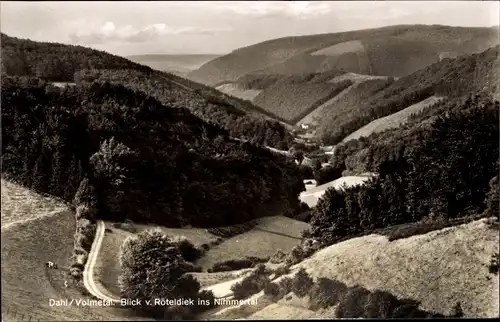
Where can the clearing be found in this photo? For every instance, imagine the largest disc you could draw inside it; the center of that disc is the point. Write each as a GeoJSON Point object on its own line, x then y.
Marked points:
{"type": "Point", "coordinates": [339, 49]}
{"type": "Point", "coordinates": [392, 121]}
{"type": "Point", "coordinates": [357, 79]}
{"type": "Point", "coordinates": [236, 91]}
{"type": "Point", "coordinates": [311, 196]}
{"type": "Point", "coordinates": [20, 204]}
{"type": "Point", "coordinates": [27, 285]}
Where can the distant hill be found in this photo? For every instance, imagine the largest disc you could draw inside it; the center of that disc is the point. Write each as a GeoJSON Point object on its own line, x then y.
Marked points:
{"type": "Point", "coordinates": [451, 77]}
{"type": "Point", "coordinates": [177, 64]}
{"type": "Point", "coordinates": [389, 51]}
{"type": "Point", "coordinates": [60, 63]}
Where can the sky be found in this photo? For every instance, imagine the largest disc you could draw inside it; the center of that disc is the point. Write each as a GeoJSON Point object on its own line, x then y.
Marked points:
{"type": "Point", "coordinates": [219, 27]}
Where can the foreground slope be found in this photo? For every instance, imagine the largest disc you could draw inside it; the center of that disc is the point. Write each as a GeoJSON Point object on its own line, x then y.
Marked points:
{"type": "Point", "coordinates": [27, 285]}
{"type": "Point", "coordinates": [436, 269]}
{"type": "Point", "coordinates": [389, 51]}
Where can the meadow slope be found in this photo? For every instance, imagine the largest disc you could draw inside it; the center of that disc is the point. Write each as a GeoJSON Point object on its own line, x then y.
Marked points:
{"type": "Point", "coordinates": [27, 285]}
{"type": "Point", "coordinates": [393, 120]}
{"type": "Point", "coordinates": [436, 269]}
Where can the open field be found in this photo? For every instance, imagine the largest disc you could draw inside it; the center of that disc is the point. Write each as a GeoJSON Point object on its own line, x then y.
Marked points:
{"type": "Point", "coordinates": [437, 269]}
{"type": "Point", "coordinates": [107, 267]}
{"type": "Point", "coordinates": [290, 101]}
{"type": "Point", "coordinates": [311, 196]}
{"type": "Point", "coordinates": [27, 285]}
{"type": "Point", "coordinates": [236, 91]}
{"type": "Point", "coordinates": [339, 49]}
{"type": "Point", "coordinates": [393, 120]}
{"type": "Point", "coordinates": [271, 234]}
{"type": "Point", "coordinates": [20, 204]}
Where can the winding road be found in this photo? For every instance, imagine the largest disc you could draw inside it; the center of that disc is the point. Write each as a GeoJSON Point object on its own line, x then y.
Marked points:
{"type": "Point", "coordinates": [221, 290]}
{"type": "Point", "coordinates": [88, 272]}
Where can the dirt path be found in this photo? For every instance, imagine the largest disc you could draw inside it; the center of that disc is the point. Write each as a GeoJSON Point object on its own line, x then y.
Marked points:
{"type": "Point", "coordinates": [88, 274]}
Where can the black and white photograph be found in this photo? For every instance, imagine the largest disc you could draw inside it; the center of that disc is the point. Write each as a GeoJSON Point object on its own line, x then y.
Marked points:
{"type": "Point", "coordinates": [249, 160]}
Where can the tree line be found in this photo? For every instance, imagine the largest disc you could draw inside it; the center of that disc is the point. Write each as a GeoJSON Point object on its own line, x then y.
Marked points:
{"type": "Point", "coordinates": [147, 162]}
{"type": "Point", "coordinates": [445, 167]}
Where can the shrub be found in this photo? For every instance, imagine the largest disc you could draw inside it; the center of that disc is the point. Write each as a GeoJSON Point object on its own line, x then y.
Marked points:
{"type": "Point", "coordinates": [236, 264]}
{"type": "Point", "coordinates": [380, 305]}
{"type": "Point", "coordinates": [273, 292]}
{"type": "Point", "coordinates": [285, 284]}
{"type": "Point", "coordinates": [493, 198]}
{"type": "Point", "coordinates": [295, 256]}
{"type": "Point", "coordinates": [205, 247]}
{"type": "Point", "coordinates": [281, 270]}
{"type": "Point", "coordinates": [252, 284]}
{"type": "Point", "coordinates": [493, 267]}
{"type": "Point", "coordinates": [205, 300]}
{"type": "Point", "coordinates": [327, 174]}
{"type": "Point", "coordinates": [325, 293]}
{"type": "Point", "coordinates": [188, 250]}
{"type": "Point", "coordinates": [278, 257]}
{"type": "Point", "coordinates": [302, 283]}
{"type": "Point", "coordinates": [352, 302]}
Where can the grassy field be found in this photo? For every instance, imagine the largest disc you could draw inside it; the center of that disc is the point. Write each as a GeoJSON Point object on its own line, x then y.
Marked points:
{"type": "Point", "coordinates": [27, 244]}
{"type": "Point", "coordinates": [437, 269]}
{"type": "Point", "coordinates": [311, 196]}
{"type": "Point", "coordinates": [271, 234]}
{"type": "Point", "coordinates": [236, 91]}
{"type": "Point", "coordinates": [393, 120]}
{"type": "Point", "coordinates": [339, 49]}
{"type": "Point", "coordinates": [20, 204]}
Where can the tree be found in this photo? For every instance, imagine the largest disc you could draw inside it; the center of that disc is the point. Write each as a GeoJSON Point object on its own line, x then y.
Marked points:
{"type": "Point", "coordinates": [152, 267]}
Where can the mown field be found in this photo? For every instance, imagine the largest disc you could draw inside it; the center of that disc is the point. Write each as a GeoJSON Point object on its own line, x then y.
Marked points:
{"type": "Point", "coordinates": [27, 285]}
{"type": "Point", "coordinates": [271, 234]}
{"type": "Point", "coordinates": [393, 120]}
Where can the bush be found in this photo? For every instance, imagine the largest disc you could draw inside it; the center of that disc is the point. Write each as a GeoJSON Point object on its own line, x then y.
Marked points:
{"type": "Point", "coordinates": [236, 264]}
{"type": "Point", "coordinates": [281, 270]}
{"type": "Point", "coordinates": [380, 305]}
{"type": "Point", "coordinates": [205, 300]}
{"type": "Point", "coordinates": [274, 292]}
{"type": "Point", "coordinates": [352, 302]}
{"type": "Point", "coordinates": [252, 284]}
{"type": "Point", "coordinates": [278, 257]}
{"type": "Point", "coordinates": [327, 174]}
{"type": "Point", "coordinates": [286, 284]}
{"type": "Point", "coordinates": [325, 293]}
{"type": "Point", "coordinates": [187, 248]}
{"type": "Point", "coordinates": [302, 283]}
{"type": "Point", "coordinates": [493, 267]}
{"type": "Point", "coordinates": [295, 256]}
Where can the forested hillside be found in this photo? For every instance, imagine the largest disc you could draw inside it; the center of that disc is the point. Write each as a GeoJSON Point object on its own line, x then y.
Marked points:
{"type": "Point", "coordinates": [56, 62]}
{"type": "Point", "coordinates": [439, 167]}
{"type": "Point", "coordinates": [167, 165]}
{"type": "Point", "coordinates": [211, 108]}
{"type": "Point", "coordinates": [388, 51]}
{"type": "Point", "coordinates": [450, 77]}
{"type": "Point", "coordinates": [67, 63]}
